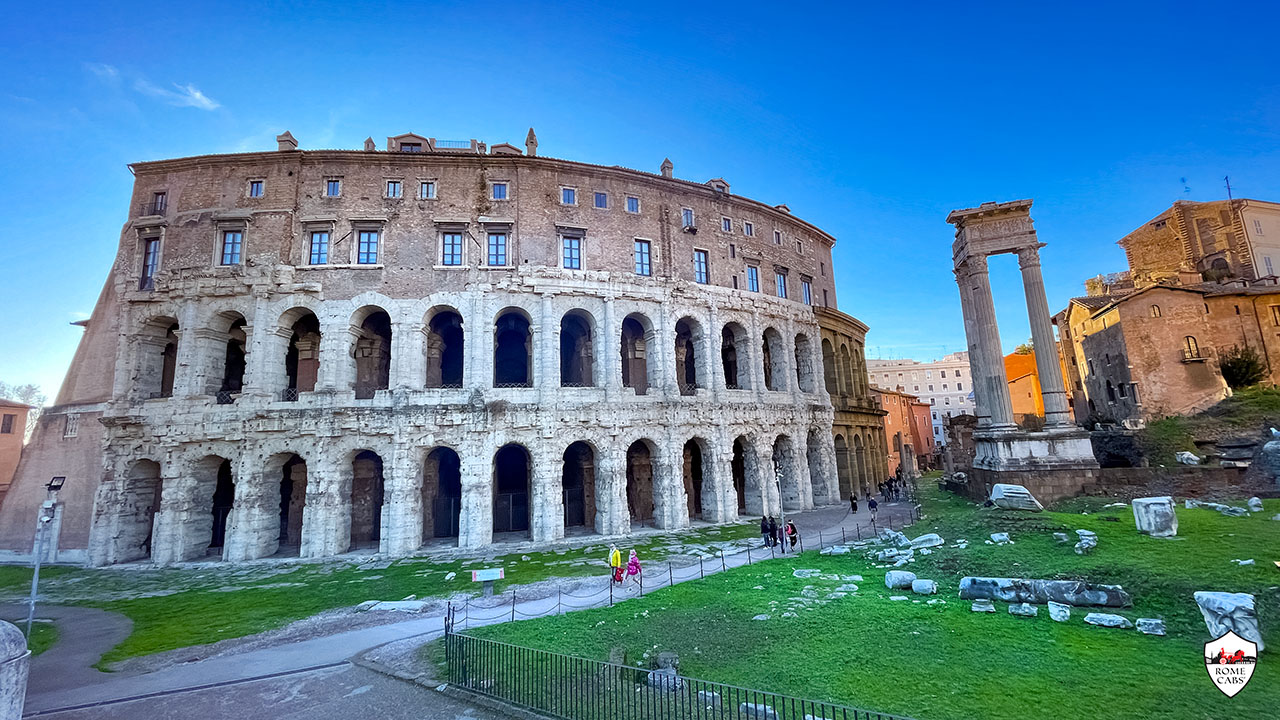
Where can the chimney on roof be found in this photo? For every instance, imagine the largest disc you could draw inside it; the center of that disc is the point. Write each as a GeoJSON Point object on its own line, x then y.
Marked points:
{"type": "Point", "coordinates": [370, 145]}
{"type": "Point", "coordinates": [286, 141]}
{"type": "Point", "coordinates": [667, 167]}
{"type": "Point", "coordinates": [783, 207]}
{"type": "Point", "coordinates": [531, 144]}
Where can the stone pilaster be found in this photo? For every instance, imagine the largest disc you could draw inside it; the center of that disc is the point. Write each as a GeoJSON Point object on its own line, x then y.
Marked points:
{"type": "Point", "coordinates": [408, 356]}
{"type": "Point", "coordinates": [401, 530]}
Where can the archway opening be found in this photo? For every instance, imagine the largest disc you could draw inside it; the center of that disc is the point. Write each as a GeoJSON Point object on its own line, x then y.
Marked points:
{"type": "Point", "coordinates": [302, 358]}
{"type": "Point", "coordinates": [441, 494]}
{"type": "Point", "coordinates": [843, 476]}
{"type": "Point", "coordinates": [444, 350]}
{"type": "Point", "coordinates": [512, 351]}
{"type": "Point", "coordinates": [367, 490]}
{"type": "Point", "coordinates": [511, 489]}
{"type": "Point", "coordinates": [860, 460]}
{"type": "Point", "coordinates": [640, 482]}
{"type": "Point", "coordinates": [785, 475]}
{"type": "Point", "coordinates": [169, 362]}
{"type": "Point", "coordinates": [579, 486]}
{"type": "Point", "coordinates": [829, 368]}
{"type": "Point", "coordinates": [692, 471]}
{"type": "Point", "coordinates": [373, 354]}
{"type": "Point", "coordinates": [804, 363]}
{"type": "Point", "coordinates": [293, 501]}
{"type": "Point", "coordinates": [774, 365]}
{"type": "Point", "coordinates": [139, 502]}
{"type": "Point", "coordinates": [224, 495]}
{"type": "Point", "coordinates": [576, 356]}
{"type": "Point", "coordinates": [817, 476]}
{"type": "Point", "coordinates": [635, 368]}
{"type": "Point", "coordinates": [686, 357]}
{"type": "Point", "coordinates": [233, 360]}
{"type": "Point", "coordinates": [738, 466]}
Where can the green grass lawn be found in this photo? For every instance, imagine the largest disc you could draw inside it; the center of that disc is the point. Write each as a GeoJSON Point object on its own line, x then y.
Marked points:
{"type": "Point", "coordinates": [180, 607]}
{"type": "Point", "coordinates": [944, 661]}
{"type": "Point", "coordinates": [1248, 411]}
{"type": "Point", "coordinates": [43, 636]}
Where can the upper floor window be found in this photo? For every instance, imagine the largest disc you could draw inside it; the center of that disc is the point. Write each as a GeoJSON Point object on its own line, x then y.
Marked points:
{"type": "Point", "coordinates": [686, 217]}
{"type": "Point", "coordinates": [499, 191]}
{"type": "Point", "coordinates": [568, 196]}
{"type": "Point", "coordinates": [943, 373]}
{"type": "Point", "coordinates": [572, 251]}
{"type": "Point", "coordinates": [333, 187]}
{"type": "Point", "coordinates": [781, 282]}
{"type": "Point", "coordinates": [427, 190]}
{"type": "Point", "coordinates": [497, 249]}
{"type": "Point", "coordinates": [633, 204]}
{"type": "Point", "coordinates": [367, 247]}
{"type": "Point", "coordinates": [451, 249]}
{"type": "Point", "coordinates": [799, 248]}
{"type": "Point", "coordinates": [71, 425]}
{"type": "Point", "coordinates": [1190, 348]}
{"type": "Point", "coordinates": [777, 237]}
{"type": "Point", "coordinates": [959, 386]}
{"type": "Point", "coordinates": [1257, 227]}
{"type": "Point", "coordinates": [319, 247]}
{"type": "Point", "coordinates": [701, 268]}
{"type": "Point", "coordinates": [1155, 311]}
{"type": "Point", "coordinates": [726, 224]}
{"type": "Point", "coordinates": [601, 200]}
{"type": "Point", "coordinates": [255, 188]}
{"type": "Point", "coordinates": [159, 203]}
{"type": "Point", "coordinates": [231, 243]}
{"type": "Point", "coordinates": [1275, 315]}
{"type": "Point", "coordinates": [394, 189]}
{"type": "Point", "coordinates": [753, 278]}
{"type": "Point", "coordinates": [643, 266]}
{"type": "Point", "coordinates": [150, 263]}
{"type": "Point", "coordinates": [807, 289]}
{"type": "Point", "coordinates": [6, 424]}
{"type": "Point", "coordinates": [411, 147]}
{"type": "Point", "coordinates": [749, 229]}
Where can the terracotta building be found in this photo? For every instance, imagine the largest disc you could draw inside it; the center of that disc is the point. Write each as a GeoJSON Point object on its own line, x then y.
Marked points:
{"type": "Point", "coordinates": [922, 439]}
{"type": "Point", "coordinates": [899, 436]}
{"type": "Point", "coordinates": [13, 428]}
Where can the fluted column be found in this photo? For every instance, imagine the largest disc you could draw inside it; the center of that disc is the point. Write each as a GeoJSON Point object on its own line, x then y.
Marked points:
{"type": "Point", "coordinates": [1052, 389]}
{"type": "Point", "coordinates": [980, 410]}
{"type": "Point", "coordinates": [990, 378]}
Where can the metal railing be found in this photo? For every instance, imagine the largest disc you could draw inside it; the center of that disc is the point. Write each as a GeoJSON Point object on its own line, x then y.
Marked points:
{"type": "Point", "coordinates": [153, 207]}
{"type": "Point", "coordinates": [575, 688]}
{"type": "Point", "coordinates": [688, 389]}
{"type": "Point", "coordinates": [225, 397]}
{"type": "Point", "coordinates": [289, 395]}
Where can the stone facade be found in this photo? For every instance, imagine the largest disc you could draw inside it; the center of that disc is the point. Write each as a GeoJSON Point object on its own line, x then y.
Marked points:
{"type": "Point", "coordinates": [858, 423]}
{"type": "Point", "coordinates": [899, 433]}
{"type": "Point", "coordinates": [1205, 241]}
{"type": "Point", "coordinates": [13, 428]}
{"type": "Point", "coordinates": [314, 352]}
{"type": "Point", "coordinates": [946, 384]}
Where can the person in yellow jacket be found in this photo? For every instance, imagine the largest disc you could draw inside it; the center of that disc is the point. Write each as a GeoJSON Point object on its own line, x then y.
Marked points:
{"type": "Point", "coordinates": [615, 563]}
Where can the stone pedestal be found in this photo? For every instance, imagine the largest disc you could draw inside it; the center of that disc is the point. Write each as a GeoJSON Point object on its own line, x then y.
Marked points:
{"type": "Point", "coordinates": [14, 661]}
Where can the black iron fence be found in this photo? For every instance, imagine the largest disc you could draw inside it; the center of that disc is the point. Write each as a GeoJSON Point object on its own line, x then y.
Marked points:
{"type": "Point", "coordinates": [574, 688]}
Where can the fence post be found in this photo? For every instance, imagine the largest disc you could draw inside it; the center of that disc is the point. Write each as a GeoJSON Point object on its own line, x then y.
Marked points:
{"type": "Point", "coordinates": [843, 539]}
{"type": "Point", "coordinates": [513, 606]}
{"type": "Point", "coordinates": [611, 592]}
{"type": "Point", "coordinates": [671, 575]}
{"type": "Point", "coordinates": [858, 529]}
{"type": "Point", "coordinates": [702, 572]}
{"type": "Point", "coordinates": [725, 566]}
{"type": "Point", "coordinates": [558, 594]}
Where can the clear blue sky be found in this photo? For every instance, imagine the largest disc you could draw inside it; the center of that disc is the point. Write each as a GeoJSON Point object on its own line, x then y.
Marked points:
{"type": "Point", "coordinates": [872, 122]}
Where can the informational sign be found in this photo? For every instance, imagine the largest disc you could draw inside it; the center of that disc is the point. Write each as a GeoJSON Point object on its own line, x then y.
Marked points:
{"type": "Point", "coordinates": [487, 575]}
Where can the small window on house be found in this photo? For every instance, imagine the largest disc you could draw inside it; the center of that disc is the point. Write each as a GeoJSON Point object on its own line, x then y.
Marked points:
{"type": "Point", "coordinates": [1091, 370]}
{"type": "Point", "coordinates": [1155, 311]}
{"type": "Point", "coordinates": [393, 189]}
{"type": "Point", "coordinates": [780, 281]}
{"type": "Point", "coordinates": [367, 247]}
{"type": "Point", "coordinates": [319, 248]}
{"type": "Point", "coordinates": [70, 425]}
{"type": "Point", "coordinates": [642, 257]}
{"type": "Point", "coordinates": [232, 240]}
{"type": "Point", "coordinates": [1275, 315]}
{"type": "Point", "coordinates": [1257, 227]}
{"type": "Point", "coordinates": [799, 248]}
{"type": "Point", "coordinates": [944, 386]}
{"type": "Point", "coordinates": [1206, 308]}
{"type": "Point", "coordinates": [943, 373]}
{"type": "Point", "coordinates": [824, 298]}
{"type": "Point", "coordinates": [633, 204]}
{"type": "Point", "coordinates": [701, 268]}
{"type": "Point", "coordinates": [1237, 309]}
{"type": "Point", "coordinates": [151, 263]}
{"type": "Point", "coordinates": [427, 190]}
{"type": "Point", "coordinates": [753, 278]}
{"type": "Point", "coordinates": [572, 251]}
{"type": "Point", "coordinates": [497, 249]}
{"type": "Point", "coordinates": [1190, 348]}
{"type": "Point", "coordinates": [735, 282]}
{"type": "Point", "coordinates": [726, 224]}
{"type": "Point", "coordinates": [1270, 270]}
{"type": "Point", "coordinates": [499, 191]}
{"type": "Point", "coordinates": [411, 147]}
{"type": "Point", "coordinates": [601, 200]}
{"type": "Point", "coordinates": [959, 386]}
{"type": "Point", "coordinates": [6, 424]}
{"type": "Point", "coordinates": [159, 203]}
{"type": "Point", "coordinates": [451, 249]}
{"type": "Point", "coordinates": [1123, 392]}
{"type": "Point", "coordinates": [568, 196]}
{"type": "Point", "coordinates": [748, 229]}
{"type": "Point", "coordinates": [733, 251]}
{"type": "Point", "coordinates": [777, 237]}
{"type": "Point", "coordinates": [946, 401]}
{"type": "Point", "coordinates": [686, 216]}
{"type": "Point", "coordinates": [255, 188]}
{"type": "Point", "coordinates": [806, 289]}
{"type": "Point", "coordinates": [333, 187]}
{"type": "Point", "coordinates": [822, 269]}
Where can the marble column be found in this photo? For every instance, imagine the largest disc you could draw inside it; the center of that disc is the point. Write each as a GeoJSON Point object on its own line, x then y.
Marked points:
{"type": "Point", "coordinates": [980, 410]}
{"type": "Point", "coordinates": [1052, 389]}
{"type": "Point", "coordinates": [989, 378]}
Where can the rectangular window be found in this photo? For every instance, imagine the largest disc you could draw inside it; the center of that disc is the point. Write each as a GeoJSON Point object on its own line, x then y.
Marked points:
{"type": "Point", "coordinates": [255, 188]}
{"type": "Point", "coordinates": [822, 269]}
{"type": "Point", "coordinates": [733, 250]}
{"type": "Point", "coordinates": [393, 189]}
{"type": "Point", "coordinates": [451, 249]}
{"type": "Point", "coordinates": [807, 290]}
{"type": "Point", "coordinates": [944, 386]}
{"type": "Point", "coordinates": [753, 278]}
{"type": "Point", "coordinates": [777, 237]}
{"type": "Point", "coordinates": [319, 248]}
{"type": "Point", "coordinates": [686, 216]}
{"type": "Point", "coordinates": [333, 187]}
{"type": "Point", "coordinates": [959, 386]}
{"type": "Point", "coordinates": [944, 373]}
{"type": "Point", "coordinates": [824, 298]}
{"type": "Point", "coordinates": [799, 248]}
{"type": "Point", "coordinates": [151, 263]}
{"type": "Point", "coordinates": [633, 204]}
{"type": "Point", "coordinates": [367, 252]}
{"type": "Point", "coordinates": [701, 268]}
{"type": "Point", "coordinates": [410, 147]}
{"type": "Point", "coordinates": [499, 191]}
{"type": "Point", "coordinates": [572, 252]}
{"type": "Point", "coordinates": [159, 203]}
{"type": "Point", "coordinates": [231, 242]}
{"type": "Point", "coordinates": [930, 388]}
{"type": "Point", "coordinates": [642, 258]}
{"type": "Point", "coordinates": [726, 224]}
{"type": "Point", "coordinates": [427, 190]}
{"type": "Point", "coordinates": [1267, 259]}
{"type": "Point", "coordinates": [601, 200]}
{"type": "Point", "coordinates": [71, 425]}
{"type": "Point", "coordinates": [735, 282]}
{"type": "Point", "coordinates": [1257, 227]}
{"type": "Point", "coordinates": [749, 229]}
{"type": "Point", "coordinates": [497, 249]}
{"type": "Point", "coordinates": [781, 281]}
{"type": "Point", "coordinates": [1275, 315]}
{"type": "Point", "coordinates": [568, 196]}
{"type": "Point", "coordinates": [6, 424]}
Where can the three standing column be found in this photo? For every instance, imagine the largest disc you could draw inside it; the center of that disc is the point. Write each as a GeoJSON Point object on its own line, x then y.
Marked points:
{"type": "Point", "coordinates": [1052, 389]}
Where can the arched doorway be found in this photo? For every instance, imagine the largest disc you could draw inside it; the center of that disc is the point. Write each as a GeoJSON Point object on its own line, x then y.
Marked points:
{"type": "Point", "coordinates": [692, 472]}
{"type": "Point", "coordinates": [843, 476]}
{"type": "Point", "coordinates": [577, 361]}
{"type": "Point", "coordinates": [784, 473]}
{"type": "Point", "coordinates": [686, 355]}
{"type": "Point", "coordinates": [441, 494]}
{"type": "Point", "coordinates": [511, 489]}
{"type": "Point", "coordinates": [512, 350]}
{"type": "Point", "coordinates": [579, 486]}
{"type": "Point", "coordinates": [444, 350]}
{"type": "Point", "coordinates": [636, 332]}
{"type": "Point", "coordinates": [224, 495]}
{"type": "Point", "coordinates": [302, 358]}
{"type": "Point", "coordinates": [293, 501]}
{"type": "Point", "coordinates": [139, 502]}
{"type": "Point", "coordinates": [372, 351]}
{"type": "Point", "coordinates": [771, 348]}
{"type": "Point", "coordinates": [368, 489]}
{"type": "Point", "coordinates": [640, 482]}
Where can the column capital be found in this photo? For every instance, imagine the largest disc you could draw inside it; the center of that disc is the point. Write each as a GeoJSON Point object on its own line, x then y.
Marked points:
{"type": "Point", "coordinates": [1029, 256]}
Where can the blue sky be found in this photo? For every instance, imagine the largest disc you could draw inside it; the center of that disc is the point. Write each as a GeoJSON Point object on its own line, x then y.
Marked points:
{"type": "Point", "coordinates": [870, 120]}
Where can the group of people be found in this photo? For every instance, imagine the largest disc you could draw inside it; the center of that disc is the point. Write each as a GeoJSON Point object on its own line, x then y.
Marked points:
{"type": "Point", "coordinates": [776, 535]}
{"type": "Point", "coordinates": [872, 505]}
{"type": "Point", "coordinates": [893, 489]}
{"type": "Point", "coordinates": [620, 573]}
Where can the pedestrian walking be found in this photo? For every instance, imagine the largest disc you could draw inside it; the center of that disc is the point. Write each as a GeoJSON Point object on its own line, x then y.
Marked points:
{"type": "Point", "coordinates": [872, 505]}
{"type": "Point", "coordinates": [773, 531]}
{"type": "Point", "coordinates": [765, 533]}
{"type": "Point", "coordinates": [633, 567]}
{"type": "Point", "coordinates": [780, 538]}
{"type": "Point", "coordinates": [853, 503]}
{"type": "Point", "coordinates": [793, 534]}
{"type": "Point", "coordinates": [615, 564]}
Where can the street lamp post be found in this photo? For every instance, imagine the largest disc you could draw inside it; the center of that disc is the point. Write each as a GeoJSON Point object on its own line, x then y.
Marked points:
{"type": "Point", "coordinates": [47, 511]}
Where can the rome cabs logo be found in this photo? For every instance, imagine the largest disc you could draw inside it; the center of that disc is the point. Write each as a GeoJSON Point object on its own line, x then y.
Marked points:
{"type": "Point", "coordinates": [1230, 661]}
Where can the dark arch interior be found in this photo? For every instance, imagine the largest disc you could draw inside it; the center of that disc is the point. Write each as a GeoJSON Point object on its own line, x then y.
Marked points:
{"type": "Point", "coordinates": [444, 350]}
{"type": "Point", "coordinates": [511, 351]}
{"type": "Point", "coordinates": [640, 482]}
{"type": "Point", "coordinates": [373, 355]}
{"type": "Point", "coordinates": [366, 499]}
{"type": "Point", "coordinates": [578, 482]}
{"type": "Point", "coordinates": [442, 494]}
{"type": "Point", "coordinates": [575, 352]}
{"type": "Point", "coordinates": [511, 489]}
{"type": "Point", "coordinates": [302, 360]}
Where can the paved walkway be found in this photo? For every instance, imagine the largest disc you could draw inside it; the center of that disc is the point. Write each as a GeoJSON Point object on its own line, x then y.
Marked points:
{"type": "Point", "coordinates": [831, 524]}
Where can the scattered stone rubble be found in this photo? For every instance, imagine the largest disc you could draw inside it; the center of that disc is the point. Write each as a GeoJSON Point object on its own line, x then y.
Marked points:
{"type": "Point", "coordinates": [1227, 510]}
{"type": "Point", "coordinates": [1232, 612]}
{"type": "Point", "coordinates": [1070, 592]}
{"type": "Point", "coordinates": [1155, 516]}
{"type": "Point", "coordinates": [1088, 541]}
{"type": "Point", "coordinates": [1014, 497]}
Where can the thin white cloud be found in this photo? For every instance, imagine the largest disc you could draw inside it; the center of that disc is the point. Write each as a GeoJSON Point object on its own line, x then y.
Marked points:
{"type": "Point", "coordinates": [182, 96]}
{"type": "Point", "coordinates": [104, 72]}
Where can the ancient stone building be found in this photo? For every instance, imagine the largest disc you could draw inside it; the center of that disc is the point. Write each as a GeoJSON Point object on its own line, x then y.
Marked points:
{"type": "Point", "coordinates": [858, 424]}
{"type": "Point", "coordinates": [441, 343]}
{"type": "Point", "coordinates": [1194, 242]}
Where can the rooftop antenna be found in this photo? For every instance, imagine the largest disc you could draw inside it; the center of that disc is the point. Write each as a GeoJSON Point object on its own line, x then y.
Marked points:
{"type": "Point", "coordinates": [1228, 179]}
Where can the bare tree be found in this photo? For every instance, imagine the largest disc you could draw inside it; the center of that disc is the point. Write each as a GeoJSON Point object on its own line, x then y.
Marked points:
{"type": "Point", "coordinates": [30, 395]}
